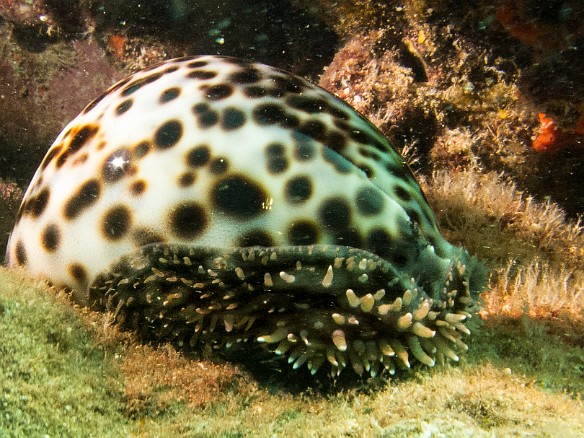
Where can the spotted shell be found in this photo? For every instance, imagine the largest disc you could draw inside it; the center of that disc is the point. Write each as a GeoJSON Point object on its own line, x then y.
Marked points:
{"type": "Point", "coordinates": [212, 200]}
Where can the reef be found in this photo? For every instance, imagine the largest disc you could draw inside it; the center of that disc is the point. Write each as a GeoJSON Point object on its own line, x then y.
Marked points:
{"type": "Point", "coordinates": [484, 102]}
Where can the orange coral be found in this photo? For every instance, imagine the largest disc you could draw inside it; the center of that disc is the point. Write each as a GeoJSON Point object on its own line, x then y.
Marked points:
{"type": "Point", "coordinates": [116, 44]}
{"type": "Point", "coordinates": [550, 138]}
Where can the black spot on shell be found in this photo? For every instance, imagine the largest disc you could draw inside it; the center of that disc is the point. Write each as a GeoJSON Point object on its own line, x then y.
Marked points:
{"type": "Point", "coordinates": [255, 91]}
{"type": "Point", "coordinates": [197, 64]}
{"type": "Point", "coordinates": [50, 155]}
{"type": "Point", "coordinates": [314, 129]}
{"type": "Point", "coordinates": [287, 84]}
{"type": "Point", "coordinates": [201, 108]}
{"type": "Point", "coordinates": [239, 196]}
{"type": "Point", "coordinates": [304, 147]}
{"type": "Point", "coordinates": [361, 136]}
{"type": "Point", "coordinates": [219, 165]}
{"type": "Point", "coordinates": [232, 118]}
{"type": "Point", "coordinates": [307, 104]}
{"type": "Point", "coordinates": [369, 201]}
{"type": "Point", "coordinates": [398, 170]}
{"type": "Point", "coordinates": [187, 179]}
{"type": "Point", "coordinates": [81, 138]}
{"type": "Point", "coordinates": [116, 165]}
{"type": "Point", "coordinates": [37, 204]}
{"type": "Point", "coordinates": [134, 86]}
{"type": "Point", "coordinates": [276, 160]}
{"type": "Point", "coordinates": [402, 193]}
{"type": "Point", "coordinates": [168, 134]}
{"type": "Point", "coordinates": [348, 237]}
{"type": "Point", "coordinates": [138, 187]}
{"type": "Point", "coordinates": [170, 70]}
{"type": "Point", "coordinates": [217, 92]}
{"type": "Point", "coordinates": [198, 156]}
{"type": "Point", "coordinates": [268, 114]}
{"type": "Point", "coordinates": [187, 221]}
{"type": "Point", "coordinates": [84, 198]}
{"type": "Point", "coordinates": [338, 113]}
{"type": "Point", "coordinates": [124, 106]}
{"type": "Point", "coordinates": [335, 140]}
{"type": "Point", "coordinates": [335, 213]}
{"type": "Point", "coordinates": [206, 117]}
{"type": "Point", "coordinates": [246, 76]}
{"type": "Point", "coordinates": [79, 273]}
{"type": "Point", "coordinates": [51, 237]}
{"type": "Point", "coordinates": [142, 149]}
{"type": "Point", "coordinates": [256, 238]}
{"type": "Point", "coordinates": [116, 222]}
{"type": "Point", "coordinates": [298, 189]}
{"type": "Point", "coordinates": [62, 159]}
{"type": "Point", "coordinates": [201, 74]}
{"type": "Point", "coordinates": [303, 233]}
{"type": "Point", "coordinates": [290, 121]}
{"type": "Point", "coordinates": [20, 253]}
{"type": "Point", "coordinates": [170, 94]}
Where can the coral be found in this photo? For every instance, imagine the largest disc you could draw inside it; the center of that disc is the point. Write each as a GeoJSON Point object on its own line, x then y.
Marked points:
{"type": "Point", "coordinates": [550, 138]}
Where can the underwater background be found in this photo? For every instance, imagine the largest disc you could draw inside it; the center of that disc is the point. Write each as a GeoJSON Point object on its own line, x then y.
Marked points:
{"type": "Point", "coordinates": [483, 99]}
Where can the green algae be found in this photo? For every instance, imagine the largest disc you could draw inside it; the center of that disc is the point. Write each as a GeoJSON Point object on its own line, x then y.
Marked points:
{"type": "Point", "coordinates": [53, 379]}
{"type": "Point", "coordinates": [63, 373]}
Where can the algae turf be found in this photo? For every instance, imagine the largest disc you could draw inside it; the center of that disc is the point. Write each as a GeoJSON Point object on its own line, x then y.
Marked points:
{"type": "Point", "coordinates": [65, 372]}
{"type": "Point", "coordinates": [53, 379]}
